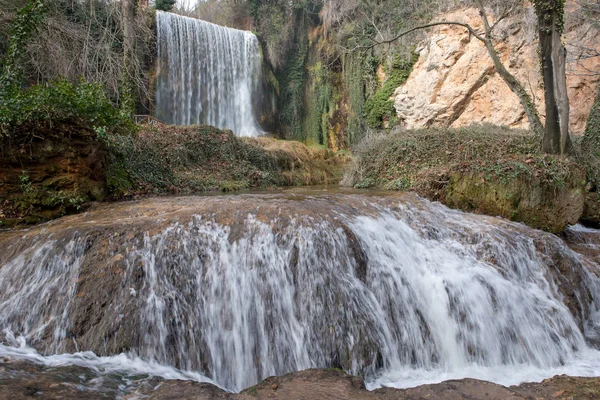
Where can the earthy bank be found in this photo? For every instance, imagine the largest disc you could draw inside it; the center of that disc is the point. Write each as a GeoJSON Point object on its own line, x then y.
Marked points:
{"type": "Point", "coordinates": [482, 168]}
{"type": "Point", "coordinates": [65, 168]}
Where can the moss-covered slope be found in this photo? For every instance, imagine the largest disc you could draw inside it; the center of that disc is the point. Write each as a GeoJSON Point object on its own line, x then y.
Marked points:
{"type": "Point", "coordinates": [60, 171]}
{"type": "Point", "coordinates": [485, 169]}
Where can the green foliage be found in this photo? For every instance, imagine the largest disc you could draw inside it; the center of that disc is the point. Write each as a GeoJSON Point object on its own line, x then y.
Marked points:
{"type": "Point", "coordinates": [165, 5]}
{"type": "Point", "coordinates": [133, 163]}
{"type": "Point", "coordinates": [65, 201]}
{"type": "Point", "coordinates": [547, 10]}
{"type": "Point", "coordinates": [199, 158]}
{"type": "Point", "coordinates": [292, 80]}
{"type": "Point", "coordinates": [24, 182]}
{"type": "Point", "coordinates": [24, 110]}
{"type": "Point", "coordinates": [127, 99]}
{"type": "Point", "coordinates": [590, 145]}
{"type": "Point", "coordinates": [380, 108]}
{"type": "Point", "coordinates": [591, 139]}
{"type": "Point", "coordinates": [319, 104]}
{"type": "Point", "coordinates": [79, 39]}
{"type": "Point", "coordinates": [24, 29]}
{"type": "Point", "coordinates": [392, 160]}
{"type": "Point", "coordinates": [282, 27]}
{"type": "Point", "coordinates": [492, 169]}
{"type": "Point", "coordinates": [354, 77]}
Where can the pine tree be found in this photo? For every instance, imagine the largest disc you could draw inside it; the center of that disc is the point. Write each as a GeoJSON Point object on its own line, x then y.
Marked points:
{"type": "Point", "coordinates": [165, 5]}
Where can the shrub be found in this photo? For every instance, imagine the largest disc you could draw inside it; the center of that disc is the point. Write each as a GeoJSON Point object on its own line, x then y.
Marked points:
{"type": "Point", "coordinates": [397, 159]}
{"type": "Point", "coordinates": [24, 111]}
{"type": "Point", "coordinates": [589, 155]}
{"type": "Point", "coordinates": [165, 5]}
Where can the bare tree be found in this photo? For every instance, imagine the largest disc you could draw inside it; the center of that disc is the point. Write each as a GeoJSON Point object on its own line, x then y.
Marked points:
{"type": "Point", "coordinates": [86, 40]}
{"type": "Point", "coordinates": [128, 16]}
{"type": "Point", "coordinates": [587, 14]}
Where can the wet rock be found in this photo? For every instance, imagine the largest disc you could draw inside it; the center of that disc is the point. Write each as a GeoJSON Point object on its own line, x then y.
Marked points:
{"type": "Point", "coordinates": [22, 381]}
{"type": "Point", "coordinates": [309, 267]}
{"type": "Point", "coordinates": [542, 206]}
{"type": "Point", "coordinates": [51, 177]}
{"type": "Point", "coordinates": [591, 209]}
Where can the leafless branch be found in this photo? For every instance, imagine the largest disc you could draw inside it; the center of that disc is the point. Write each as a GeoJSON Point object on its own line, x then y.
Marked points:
{"type": "Point", "coordinates": [417, 28]}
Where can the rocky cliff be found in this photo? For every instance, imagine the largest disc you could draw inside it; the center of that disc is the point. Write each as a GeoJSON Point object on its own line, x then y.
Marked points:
{"type": "Point", "coordinates": [454, 82]}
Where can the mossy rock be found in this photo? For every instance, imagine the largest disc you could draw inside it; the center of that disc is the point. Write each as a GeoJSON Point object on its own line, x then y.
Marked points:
{"type": "Point", "coordinates": [482, 168]}
{"type": "Point", "coordinates": [59, 182]}
{"type": "Point", "coordinates": [591, 210]}
{"type": "Point", "coordinates": [540, 206]}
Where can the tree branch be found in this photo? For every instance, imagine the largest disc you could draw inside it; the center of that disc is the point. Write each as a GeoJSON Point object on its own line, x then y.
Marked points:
{"type": "Point", "coordinates": [486, 38]}
{"type": "Point", "coordinates": [503, 16]}
{"type": "Point", "coordinates": [416, 28]}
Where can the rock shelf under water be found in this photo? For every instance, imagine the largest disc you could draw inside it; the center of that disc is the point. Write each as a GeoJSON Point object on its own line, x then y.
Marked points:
{"type": "Point", "coordinates": [234, 289]}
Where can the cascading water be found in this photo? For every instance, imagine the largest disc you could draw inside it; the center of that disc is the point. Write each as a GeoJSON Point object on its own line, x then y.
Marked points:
{"type": "Point", "coordinates": [207, 74]}
{"type": "Point", "coordinates": [241, 288]}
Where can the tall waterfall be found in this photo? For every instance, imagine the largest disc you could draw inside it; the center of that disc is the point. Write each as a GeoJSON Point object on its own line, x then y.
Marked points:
{"type": "Point", "coordinates": [207, 74]}
{"type": "Point", "coordinates": [239, 288]}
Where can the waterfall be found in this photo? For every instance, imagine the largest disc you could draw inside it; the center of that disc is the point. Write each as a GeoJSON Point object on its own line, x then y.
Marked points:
{"type": "Point", "coordinates": [207, 74]}
{"type": "Point", "coordinates": [239, 288]}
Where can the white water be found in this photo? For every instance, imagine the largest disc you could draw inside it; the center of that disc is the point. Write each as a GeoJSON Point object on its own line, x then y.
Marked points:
{"type": "Point", "coordinates": [207, 74]}
{"type": "Point", "coordinates": [126, 364]}
{"type": "Point", "coordinates": [444, 295]}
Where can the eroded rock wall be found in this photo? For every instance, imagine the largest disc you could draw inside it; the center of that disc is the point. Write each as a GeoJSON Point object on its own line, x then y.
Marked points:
{"type": "Point", "coordinates": [454, 82]}
{"type": "Point", "coordinates": [56, 172]}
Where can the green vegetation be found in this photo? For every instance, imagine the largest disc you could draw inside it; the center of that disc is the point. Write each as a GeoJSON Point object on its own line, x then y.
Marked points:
{"type": "Point", "coordinates": [320, 108]}
{"type": "Point", "coordinates": [202, 158]}
{"type": "Point", "coordinates": [27, 112]}
{"type": "Point", "coordinates": [483, 168]}
{"type": "Point", "coordinates": [320, 87]}
{"type": "Point", "coordinates": [24, 28]}
{"type": "Point", "coordinates": [328, 89]}
{"type": "Point", "coordinates": [590, 145]}
{"type": "Point", "coordinates": [54, 131]}
{"type": "Point", "coordinates": [74, 40]}
{"type": "Point", "coordinates": [589, 156]}
{"type": "Point", "coordinates": [380, 108]}
{"type": "Point", "coordinates": [165, 5]}
{"type": "Point", "coordinates": [291, 106]}
{"type": "Point", "coordinates": [69, 168]}
{"type": "Point", "coordinates": [491, 151]}
{"type": "Point", "coordinates": [547, 8]}
{"type": "Point", "coordinates": [353, 77]}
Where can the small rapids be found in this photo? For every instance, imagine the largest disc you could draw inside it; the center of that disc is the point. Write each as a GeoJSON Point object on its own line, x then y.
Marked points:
{"type": "Point", "coordinates": [233, 289]}
{"type": "Point", "coordinates": [124, 364]}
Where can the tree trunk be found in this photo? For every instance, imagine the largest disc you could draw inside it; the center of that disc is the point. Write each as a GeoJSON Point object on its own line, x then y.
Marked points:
{"type": "Point", "coordinates": [553, 57]}
{"type": "Point", "coordinates": [127, 89]}
{"type": "Point", "coordinates": [535, 124]}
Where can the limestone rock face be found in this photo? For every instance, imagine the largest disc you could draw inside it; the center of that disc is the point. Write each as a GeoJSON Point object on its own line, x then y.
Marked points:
{"type": "Point", "coordinates": [454, 82]}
